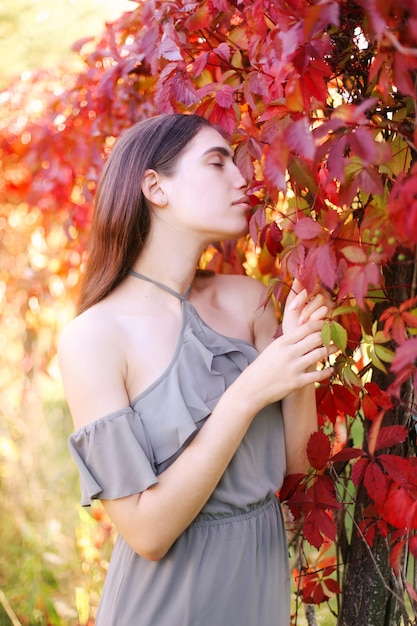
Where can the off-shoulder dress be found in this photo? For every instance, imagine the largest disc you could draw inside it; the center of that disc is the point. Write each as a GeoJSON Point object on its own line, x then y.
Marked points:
{"type": "Point", "coordinates": [230, 566]}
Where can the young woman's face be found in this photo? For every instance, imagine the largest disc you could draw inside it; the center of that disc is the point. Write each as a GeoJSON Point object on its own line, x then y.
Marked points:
{"type": "Point", "coordinates": [206, 194]}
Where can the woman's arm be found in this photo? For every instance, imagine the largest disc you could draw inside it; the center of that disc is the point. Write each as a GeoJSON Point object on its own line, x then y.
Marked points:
{"type": "Point", "coordinates": [285, 366]}
{"type": "Point", "coordinates": [299, 407]}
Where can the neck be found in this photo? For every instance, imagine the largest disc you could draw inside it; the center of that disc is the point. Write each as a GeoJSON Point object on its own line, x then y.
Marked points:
{"type": "Point", "coordinates": [173, 265]}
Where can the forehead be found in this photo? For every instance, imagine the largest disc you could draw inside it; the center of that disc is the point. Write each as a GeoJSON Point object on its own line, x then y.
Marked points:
{"type": "Point", "coordinates": [206, 140]}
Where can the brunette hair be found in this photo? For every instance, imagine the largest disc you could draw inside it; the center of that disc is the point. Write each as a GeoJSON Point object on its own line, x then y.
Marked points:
{"type": "Point", "coordinates": [121, 219]}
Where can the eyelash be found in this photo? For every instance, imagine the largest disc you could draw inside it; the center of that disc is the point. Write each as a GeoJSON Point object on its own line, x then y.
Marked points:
{"type": "Point", "coordinates": [218, 164]}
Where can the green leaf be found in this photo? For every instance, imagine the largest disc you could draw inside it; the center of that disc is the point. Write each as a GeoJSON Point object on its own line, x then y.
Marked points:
{"type": "Point", "coordinates": [384, 353]}
{"type": "Point", "coordinates": [344, 310]}
{"type": "Point", "coordinates": [377, 362]}
{"type": "Point", "coordinates": [326, 334]}
{"type": "Point", "coordinates": [351, 378]}
{"type": "Point", "coordinates": [338, 335]}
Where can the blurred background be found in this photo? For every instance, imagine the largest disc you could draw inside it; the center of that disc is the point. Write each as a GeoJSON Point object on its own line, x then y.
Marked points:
{"type": "Point", "coordinates": [53, 555]}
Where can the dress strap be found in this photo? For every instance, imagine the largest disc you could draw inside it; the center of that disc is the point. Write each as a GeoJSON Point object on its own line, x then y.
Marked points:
{"type": "Point", "coordinates": [162, 286]}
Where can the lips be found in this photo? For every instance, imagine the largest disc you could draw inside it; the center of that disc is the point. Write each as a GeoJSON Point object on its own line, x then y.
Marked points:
{"type": "Point", "coordinates": [243, 200]}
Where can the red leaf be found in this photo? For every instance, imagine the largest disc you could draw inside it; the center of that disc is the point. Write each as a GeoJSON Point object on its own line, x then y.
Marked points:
{"type": "Point", "coordinates": [244, 161]}
{"type": "Point", "coordinates": [398, 469]}
{"type": "Point", "coordinates": [354, 254]}
{"type": "Point", "coordinates": [200, 63]}
{"type": "Point", "coordinates": [319, 16]}
{"type": "Point", "coordinates": [369, 408]}
{"type": "Point", "coordinates": [290, 486]}
{"type": "Point", "coordinates": [221, 5]}
{"type": "Point", "coordinates": [332, 585]}
{"type": "Point", "coordinates": [401, 507]}
{"type": "Point", "coordinates": [395, 558]}
{"type": "Point", "coordinates": [183, 89]}
{"type": "Point", "coordinates": [276, 160]}
{"type": "Point", "coordinates": [347, 454]}
{"type": "Point", "coordinates": [404, 355]}
{"type": "Point", "coordinates": [357, 280]}
{"type": "Point", "coordinates": [223, 50]}
{"type": "Point", "coordinates": [324, 493]}
{"type": "Point", "coordinates": [168, 49]}
{"type": "Point", "coordinates": [390, 436]}
{"type": "Point", "coordinates": [375, 482]}
{"type": "Point", "coordinates": [225, 97]}
{"type": "Point", "coordinates": [318, 450]}
{"type": "Point", "coordinates": [163, 91]}
{"type": "Point", "coordinates": [198, 19]}
{"type": "Point", "coordinates": [362, 142]}
{"type": "Point", "coordinates": [336, 399]}
{"type": "Point", "coordinates": [319, 525]}
{"type": "Point", "coordinates": [378, 395]}
{"type": "Point", "coordinates": [403, 194]}
{"type": "Point", "coordinates": [359, 469]}
{"type": "Point", "coordinates": [312, 533]}
{"type": "Point", "coordinates": [318, 595]}
{"type": "Point", "coordinates": [271, 236]}
{"type": "Point", "coordinates": [225, 117]}
{"type": "Point", "coordinates": [307, 228]}
{"type": "Point", "coordinates": [326, 265]}
{"type": "Point", "coordinates": [299, 138]}
{"type": "Point", "coordinates": [255, 83]}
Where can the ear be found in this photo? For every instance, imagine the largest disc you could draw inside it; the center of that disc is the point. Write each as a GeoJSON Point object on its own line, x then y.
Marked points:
{"type": "Point", "coordinates": [152, 188]}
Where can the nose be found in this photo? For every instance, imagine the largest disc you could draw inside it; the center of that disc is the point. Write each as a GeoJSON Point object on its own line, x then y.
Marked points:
{"type": "Point", "coordinates": [240, 182]}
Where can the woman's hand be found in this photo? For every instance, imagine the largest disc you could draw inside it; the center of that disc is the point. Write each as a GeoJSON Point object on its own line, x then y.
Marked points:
{"type": "Point", "coordinates": [299, 408]}
{"type": "Point", "coordinates": [300, 307]}
{"type": "Point", "coordinates": [290, 362]}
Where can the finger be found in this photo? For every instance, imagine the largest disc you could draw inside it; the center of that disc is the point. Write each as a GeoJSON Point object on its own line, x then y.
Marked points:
{"type": "Point", "coordinates": [319, 376]}
{"type": "Point", "coordinates": [309, 362]}
{"type": "Point", "coordinates": [320, 313]}
{"type": "Point", "coordinates": [297, 299]}
{"type": "Point", "coordinates": [315, 304]}
{"type": "Point", "coordinates": [305, 330]}
{"type": "Point", "coordinates": [314, 376]}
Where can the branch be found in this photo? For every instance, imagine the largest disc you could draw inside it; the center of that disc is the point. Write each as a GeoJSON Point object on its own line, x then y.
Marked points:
{"type": "Point", "coordinates": [398, 46]}
{"type": "Point", "coordinates": [8, 609]}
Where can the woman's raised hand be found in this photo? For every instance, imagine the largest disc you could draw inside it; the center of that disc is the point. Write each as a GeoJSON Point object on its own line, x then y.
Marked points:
{"type": "Point", "coordinates": [290, 362]}
{"type": "Point", "coordinates": [300, 307]}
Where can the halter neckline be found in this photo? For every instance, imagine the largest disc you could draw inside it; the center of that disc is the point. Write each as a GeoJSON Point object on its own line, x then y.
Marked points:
{"type": "Point", "coordinates": [162, 286]}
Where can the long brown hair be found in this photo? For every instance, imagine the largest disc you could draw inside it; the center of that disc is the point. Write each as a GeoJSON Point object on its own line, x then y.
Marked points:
{"type": "Point", "coordinates": [121, 219]}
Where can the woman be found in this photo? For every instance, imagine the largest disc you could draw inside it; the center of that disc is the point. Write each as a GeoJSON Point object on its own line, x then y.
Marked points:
{"type": "Point", "coordinates": [187, 412]}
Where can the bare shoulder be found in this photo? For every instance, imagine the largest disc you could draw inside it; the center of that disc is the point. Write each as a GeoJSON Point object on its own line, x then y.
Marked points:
{"type": "Point", "coordinates": [90, 332]}
{"type": "Point", "coordinates": [91, 365]}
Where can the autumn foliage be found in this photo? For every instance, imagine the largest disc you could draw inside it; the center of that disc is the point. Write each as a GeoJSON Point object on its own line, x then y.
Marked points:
{"type": "Point", "coordinates": [318, 97]}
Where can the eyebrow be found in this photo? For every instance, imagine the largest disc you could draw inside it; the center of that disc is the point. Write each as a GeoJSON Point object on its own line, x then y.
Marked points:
{"type": "Point", "coordinates": [220, 149]}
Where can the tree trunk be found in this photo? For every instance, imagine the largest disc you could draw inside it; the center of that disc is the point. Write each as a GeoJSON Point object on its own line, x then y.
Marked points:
{"type": "Point", "coordinates": [366, 595]}
{"type": "Point", "coordinates": [368, 579]}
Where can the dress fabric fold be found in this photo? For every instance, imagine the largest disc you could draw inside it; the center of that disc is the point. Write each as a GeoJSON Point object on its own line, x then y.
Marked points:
{"type": "Point", "coordinates": [230, 566]}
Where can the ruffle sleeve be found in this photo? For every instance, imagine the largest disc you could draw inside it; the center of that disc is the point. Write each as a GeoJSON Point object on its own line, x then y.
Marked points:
{"type": "Point", "coordinates": [114, 457]}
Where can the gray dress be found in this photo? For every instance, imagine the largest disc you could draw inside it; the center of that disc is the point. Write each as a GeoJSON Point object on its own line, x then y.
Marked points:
{"type": "Point", "coordinates": [230, 566]}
